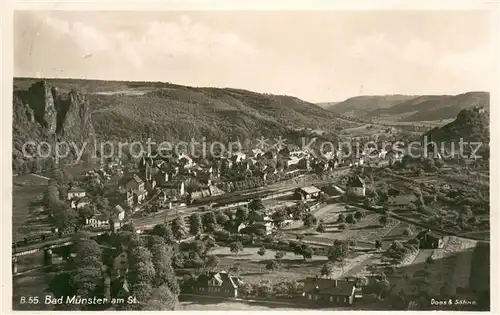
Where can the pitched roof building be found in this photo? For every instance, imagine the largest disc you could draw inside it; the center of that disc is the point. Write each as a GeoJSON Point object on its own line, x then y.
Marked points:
{"type": "Point", "coordinates": [218, 284]}
{"type": "Point", "coordinates": [330, 291]}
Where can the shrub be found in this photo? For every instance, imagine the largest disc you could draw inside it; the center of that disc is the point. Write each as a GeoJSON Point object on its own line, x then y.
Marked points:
{"type": "Point", "coordinates": [408, 232]}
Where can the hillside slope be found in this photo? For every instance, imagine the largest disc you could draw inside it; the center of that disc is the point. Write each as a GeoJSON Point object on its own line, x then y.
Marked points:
{"type": "Point", "coordinates": [359, 106]}
{"type": "Point", "coordinates": [179, 112]}
{"type": "Point", "coordinates": [411, 108]}
{"type": "Point", "coordinates": [113, 110]}
{"type": "Point", "coordinates": [471, 125]}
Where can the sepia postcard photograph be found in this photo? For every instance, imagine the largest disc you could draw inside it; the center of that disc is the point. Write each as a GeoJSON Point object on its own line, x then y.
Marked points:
{"type": "Point", "coordinates": [258, 160]}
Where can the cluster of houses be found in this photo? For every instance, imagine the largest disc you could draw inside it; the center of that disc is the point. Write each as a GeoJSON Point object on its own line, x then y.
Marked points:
{"type": "Point", "coordinates": [317, 290]}
{"type": "Point", "coordinates": [179, 179]}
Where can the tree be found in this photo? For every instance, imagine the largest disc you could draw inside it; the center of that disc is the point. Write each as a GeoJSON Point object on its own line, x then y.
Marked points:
{"type": "Point", "coordinates": [307, 252]}
{"type": "Point", "coordinates": [262, 251]}
{"type": "Point", "coordinates": [254, 216]}
{"type": "Point", "coordinates": [298, 210]}
{"type": "Point", "coordinates": [407, 232]}
{"type": "Point", "coordinates": [164, 231]}
{"type": "Point", "coordinates": [65, 219]}
{"type": "Point", "coordinates": [154, 240]}
{"type": "Point", "coordinates": [361, 281]}
{"type": "Point", "coordinates": [178, 228]}
{"type": "Point", "coordinates": [279, 255]}
{"type": "Point", "coordinates": [222, 218]}
{"type": "Point", "coordinates": [473, 220]}
{"type": "Point", "coordinates": [209, 241]}
{"type": "Point", "coordinates": [467, 211]}
{"type": "Point", "coordinates": [320, 228]}
{"type": "Point", "coordinates": [358, 215]}
{"type": "Point", "coordinates": [209, 221]}
{"type": "Point", "coordinates": [236, 247]}
{"type": "Point", "coordinates": [256, 205]}
{"type": "Point", "coordinates": [195, 224]}
{"type": "Point", "coordinates": [310, 220]}
{"type": "Point", "coordinates": [384, 288]}
{"type": "Point", "coordinates": [86, 270]}
{"type": "Point", "coordinates": [369, 202]}
{"type": "Point", "coordinates": [338, 251]}
{"type": "Point", "coordinates": [272, 265]}
{"type": "Point", "coordinates": [326, 269]}
{"type": "Point", "coordinates": [341, 218]}
{"type": "Point", "coordinates": [162, 299]}
{"type": "Point", "coordinates": [241, 214]}
{"type": "Point", "coordinates": [211, 262]}
{"type": "Point", "coordinates": [141, 267]}
{"type": "Point", "coordinates": [264, 289]}
{"type": "Point", "coordinates": [278, 217]}
{"type": "Point", "coordinates": [164, 273]}
{"type": "Point", "coordinates": [383, 220]}
{"type": "Point", "coordinates": [197, 247]}
{"type": "Point", "coordinates": [130, 227]}
{"type": "Point", "coordinates": [300, 237]}
{"type": "Point", "coordinates": [350, 219]}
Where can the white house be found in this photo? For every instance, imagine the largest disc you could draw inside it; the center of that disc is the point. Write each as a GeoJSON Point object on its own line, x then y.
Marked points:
{"type": "Point", "coordinates": [98, 220]}
{"type": "Point", "coordinates": [76, 192]}
{"type": "Point", "coordinates": [119, 213]}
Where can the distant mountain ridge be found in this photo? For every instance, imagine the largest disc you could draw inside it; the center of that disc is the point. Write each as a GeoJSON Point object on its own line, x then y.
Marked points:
{"type": "Point", "coordinates": [404, 108]}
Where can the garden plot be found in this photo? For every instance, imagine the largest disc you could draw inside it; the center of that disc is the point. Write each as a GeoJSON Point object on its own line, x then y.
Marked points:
{"type": "Point", "coordinates": [367, 230]}
{"type": "Point", "coordinates": [252, 266]}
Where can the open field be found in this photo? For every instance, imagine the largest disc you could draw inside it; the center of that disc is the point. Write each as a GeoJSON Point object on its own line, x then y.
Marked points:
{"type": "Point", "coordinates": [366, 231]}
{"type": "Point", "coordinates": [25, 218]}
{"type": "Point", "coordinates": [253, 266]}
{"type": "Point", "coordinates": [366, 130]}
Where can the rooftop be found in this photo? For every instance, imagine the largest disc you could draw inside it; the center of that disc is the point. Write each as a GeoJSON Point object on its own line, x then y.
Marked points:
{"type": "Point", "coordinates": [310, 189]}
{"type": "Point", "coordinates": [356, 181]}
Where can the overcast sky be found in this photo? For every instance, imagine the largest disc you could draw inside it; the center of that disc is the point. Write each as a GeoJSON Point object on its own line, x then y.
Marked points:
{"type": "Point", "coordinates": [316, 56]}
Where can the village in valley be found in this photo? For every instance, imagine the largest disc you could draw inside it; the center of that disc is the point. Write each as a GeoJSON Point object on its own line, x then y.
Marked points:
{"type": "Point", "coordinates": [305, 159]}
{"type": "Point", "coordinates": [284, 227]}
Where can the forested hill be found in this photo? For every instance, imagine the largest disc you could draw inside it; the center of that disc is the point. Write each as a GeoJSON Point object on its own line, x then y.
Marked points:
{"type": "Point", "coordinates": [115, 110]}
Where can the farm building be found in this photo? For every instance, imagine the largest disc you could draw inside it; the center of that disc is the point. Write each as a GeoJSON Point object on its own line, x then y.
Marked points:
{"type": "Point", "coordinates": [428, 239]}
{"type": "Point", "coordinates": [356, 186]}
{"type": "Point", "coordinates": [308, 192]}
{"type": "Point", "coordinates": [329, 291]}
{"type": "Point", "coordinates": [218, 284]}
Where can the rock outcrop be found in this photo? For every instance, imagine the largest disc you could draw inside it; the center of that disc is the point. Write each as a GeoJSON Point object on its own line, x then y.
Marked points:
{"type": "Point", "coordinates": [42, 113]}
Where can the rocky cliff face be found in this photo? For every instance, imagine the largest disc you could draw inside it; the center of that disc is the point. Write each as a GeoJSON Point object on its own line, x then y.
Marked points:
{"type": "Point", "coordinates": [42, 113]}
{"type": "Point", "coordinates": [40, 98]}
